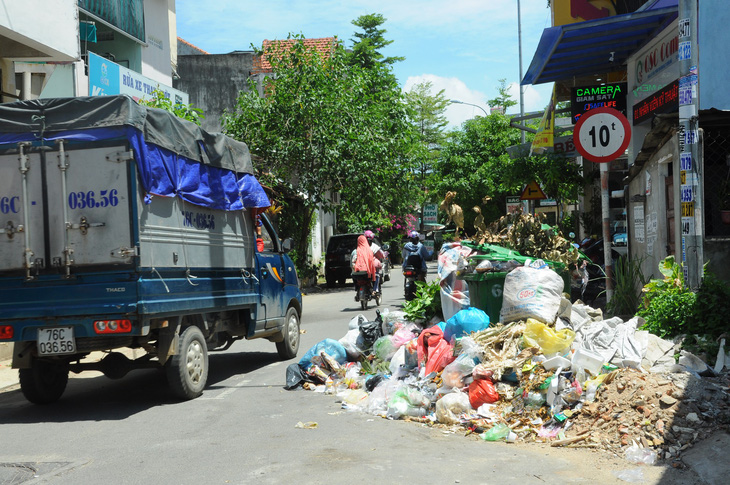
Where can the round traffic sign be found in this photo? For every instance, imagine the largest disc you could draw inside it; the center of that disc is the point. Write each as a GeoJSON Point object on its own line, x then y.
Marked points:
{"type": "Point", "coordinates": [602, 134]}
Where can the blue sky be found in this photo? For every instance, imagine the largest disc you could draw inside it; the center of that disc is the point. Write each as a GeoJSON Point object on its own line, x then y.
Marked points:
{"type": "Point", "coordinates": [462, 46]}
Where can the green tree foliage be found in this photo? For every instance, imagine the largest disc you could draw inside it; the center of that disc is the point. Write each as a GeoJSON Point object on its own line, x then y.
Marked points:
{"type": "Point", "coordinates": [503, 100]}
{"type": "Point", "coordinates": [184, 111]}
{"type": "Point", "coordinates": [322, 128]}
{"type": "Point", "coordinates": [474, 162]}
{"type": "Point", "coordinates": [368, 43]}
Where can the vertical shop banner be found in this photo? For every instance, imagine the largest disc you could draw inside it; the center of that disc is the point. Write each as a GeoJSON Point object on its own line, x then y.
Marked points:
{"type": "Point", "coordinates": [546, 129]}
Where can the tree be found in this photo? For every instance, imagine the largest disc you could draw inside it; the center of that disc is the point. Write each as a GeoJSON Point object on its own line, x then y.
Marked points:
{"type": "Point", "coordinates": [474, 162]}
{"type": "Point", "coordinates": [320, 129]}
{"type": "Point", "coordinates": [504, 100]}
{"type": "Point", "coordinates": [184, 111]}
{"type": "Point", "coordinates": [367, 44]}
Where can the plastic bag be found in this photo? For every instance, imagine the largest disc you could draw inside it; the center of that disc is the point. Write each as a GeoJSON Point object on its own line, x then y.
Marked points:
{"type": "Point", "coordinates": [471, 348]}
{"type": "Point", "coordinates": [537, 334]}
{"type": "Point", "coordinates": [454, 373]}
{"type": "Point", "coordinates": [428, 338]}
{"type": "Point", "coordinates": [353, 344]}
{"type": "Point", "coordinates": [397, 362]}
{"type": "Point", "coordinates": [383, 348]}
{"type": "Point", "coordinates": [636, 454]}
{"type": "Point", "coordinates": [356, 321]}
{"type": "Point", "coordinates": [482, 391]}
{"type": "Point", "coordinates": [405, 334]}
{"type": "Point", "coordinates": [407, 401]}
{"type": "Point", "coordinates": [449, 407]}
{"type": "Point", "coordinates": [497, 432]}
{"type": "Point", "coordinates": [439, 357]}
{"type": "Point", "coordinates": [371, 331]}
{"type": "Point", "coordinates": [332, 347]}
{"type": "Point", "coordinates": [465, 322]}
{"type": "Point", "coordinates": [531, 293]}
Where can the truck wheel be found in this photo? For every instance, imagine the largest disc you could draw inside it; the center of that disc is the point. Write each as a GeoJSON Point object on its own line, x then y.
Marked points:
{"type": "Point", "coordinates": [289, 347]}
{"type": "Point", "coordinates": [331, 282]}
{"type": "Point", "coordinates": [187, 371]}
{"type": "Point", "coordinates": [44, 382]}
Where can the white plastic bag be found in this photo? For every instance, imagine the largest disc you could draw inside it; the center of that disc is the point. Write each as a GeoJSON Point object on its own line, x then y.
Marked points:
{"type": "Point", "coordinates": [449, 407]}
{"type": "Point", "coordinates": [531, 293]}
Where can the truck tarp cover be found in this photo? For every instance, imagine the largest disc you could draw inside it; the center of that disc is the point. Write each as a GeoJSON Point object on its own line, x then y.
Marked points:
{"type": "Point", "coordinates": [175, 157]}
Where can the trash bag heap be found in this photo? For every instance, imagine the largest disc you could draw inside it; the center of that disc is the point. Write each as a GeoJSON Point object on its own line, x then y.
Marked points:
{"type": "Point", "coordinates": [545, 370]}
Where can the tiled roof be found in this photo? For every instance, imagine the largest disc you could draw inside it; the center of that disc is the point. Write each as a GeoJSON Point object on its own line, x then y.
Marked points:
{"type": "Point", "coordinates": [191, 46]}
{"type": "Point", "coordinates": [261, 64]}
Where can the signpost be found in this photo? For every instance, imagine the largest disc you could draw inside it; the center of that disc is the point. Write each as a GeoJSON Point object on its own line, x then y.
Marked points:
{"type": "Point", "coordinates": [602, 135]}
{"type": "Point", "coordinates": [532, 191]}
{"type": "Point", "coordinates": [430, 214]}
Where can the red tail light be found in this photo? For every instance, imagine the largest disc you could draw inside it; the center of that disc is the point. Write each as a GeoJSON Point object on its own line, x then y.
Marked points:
{"type": "Point", "coordinates": [6, 332]}
{"type": "Point", "coordinates": [112, 326]}
{"type": "Point", "coordinates": [409, 273]}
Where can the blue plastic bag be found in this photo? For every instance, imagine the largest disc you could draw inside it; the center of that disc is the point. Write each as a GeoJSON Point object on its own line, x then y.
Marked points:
{"type": "Point", "coordinates": [332, 347]}
{"type": "Point", "coordinates": [464, 322]}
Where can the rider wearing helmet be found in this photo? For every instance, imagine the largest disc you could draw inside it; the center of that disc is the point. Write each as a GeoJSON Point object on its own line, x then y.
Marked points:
{"type": "Point", "coordinates": [414, 247]}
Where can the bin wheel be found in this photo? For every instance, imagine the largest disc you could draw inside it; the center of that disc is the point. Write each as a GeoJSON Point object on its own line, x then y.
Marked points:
{"type": "Point", "coordinates": [187, 371]}
{"type": "Point", "coordinates": [44, 382]}
{"type": "Point", "coordinates": [289, 346]}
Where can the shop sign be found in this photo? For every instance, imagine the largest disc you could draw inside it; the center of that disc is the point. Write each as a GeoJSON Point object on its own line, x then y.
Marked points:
{"type": "Point", "coordinates": [664, 101]}
{"type": "Point", "coordinates": [584, 99]}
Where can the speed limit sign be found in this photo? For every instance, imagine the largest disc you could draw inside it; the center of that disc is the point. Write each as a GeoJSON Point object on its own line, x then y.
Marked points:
{"type": "Point", "coordinates": [602, 135]}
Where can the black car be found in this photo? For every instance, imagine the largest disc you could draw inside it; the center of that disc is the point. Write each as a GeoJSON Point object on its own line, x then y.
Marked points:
{"type": "Point", "coordinates": [337, 259]}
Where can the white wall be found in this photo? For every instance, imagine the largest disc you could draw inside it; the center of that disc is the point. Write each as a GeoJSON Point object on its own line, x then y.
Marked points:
{"type": "Point", "coordinates": [50, 27]}
{"type": "Point", "coordinates": [156, 56]}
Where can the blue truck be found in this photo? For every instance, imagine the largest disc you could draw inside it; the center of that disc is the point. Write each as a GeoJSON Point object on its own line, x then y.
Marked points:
{"type": "Point", "coordinates": [125, 227]}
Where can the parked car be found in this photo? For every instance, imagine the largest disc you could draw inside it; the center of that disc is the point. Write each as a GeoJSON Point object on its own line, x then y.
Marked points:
{"type": "Point", "coordinates": [337, 259]}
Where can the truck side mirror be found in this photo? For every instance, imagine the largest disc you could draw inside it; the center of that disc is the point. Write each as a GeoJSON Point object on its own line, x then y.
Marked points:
{"type": "Point", "coordinates": [287, 244]}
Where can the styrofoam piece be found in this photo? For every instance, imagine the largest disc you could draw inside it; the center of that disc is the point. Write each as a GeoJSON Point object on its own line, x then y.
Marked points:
{"type": "Point", "coordinates": [555, 362]}
{"type": "Point", "coordinates": [587, 360]}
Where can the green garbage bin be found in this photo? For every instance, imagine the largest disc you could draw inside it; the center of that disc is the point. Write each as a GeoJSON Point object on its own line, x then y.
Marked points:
{"type": "Point", "coordinates": [485, 292]}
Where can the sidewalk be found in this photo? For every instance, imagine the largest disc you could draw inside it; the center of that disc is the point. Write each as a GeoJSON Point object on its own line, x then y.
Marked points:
{"type": "Point", "coordinates": [8, 376]}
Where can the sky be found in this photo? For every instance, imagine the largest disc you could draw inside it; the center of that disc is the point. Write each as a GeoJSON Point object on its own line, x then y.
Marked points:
{"type": "Point", "coordinates": [462, 46]}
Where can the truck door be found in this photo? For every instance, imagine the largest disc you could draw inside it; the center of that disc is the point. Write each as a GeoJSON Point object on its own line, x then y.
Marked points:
{"type": "Point", "coordinates": [271, 276]}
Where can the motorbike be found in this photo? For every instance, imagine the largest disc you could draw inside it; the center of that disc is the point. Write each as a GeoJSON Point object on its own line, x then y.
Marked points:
{"type": "Point", "coordinates": [364, 289]}
{"type": "Point", "coordinates": [411, 274]}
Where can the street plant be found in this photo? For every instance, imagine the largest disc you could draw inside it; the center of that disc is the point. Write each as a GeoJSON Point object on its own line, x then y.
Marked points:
{"type": "Point", "coordinates": [427, 302]}
{"type": "Point", "coordinates": [628, 283]}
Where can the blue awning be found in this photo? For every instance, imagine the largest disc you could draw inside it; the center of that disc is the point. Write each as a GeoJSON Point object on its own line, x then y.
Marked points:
{"type": "Point", "coordinates": [596, 46]}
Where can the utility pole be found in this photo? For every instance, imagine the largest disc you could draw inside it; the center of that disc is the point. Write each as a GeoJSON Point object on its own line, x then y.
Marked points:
{"type": "Point", "coordinates": [519, 83]}
{"type": "Point", "coordinates": [690, 164]}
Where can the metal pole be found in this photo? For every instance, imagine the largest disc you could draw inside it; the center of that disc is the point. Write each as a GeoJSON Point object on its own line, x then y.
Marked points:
{"type": "Point", "coordinates": [690, 163]}
{"type": "Point", "coordinates": [606, 214]}
{"type": "Point", "coordinates": [522, 95]}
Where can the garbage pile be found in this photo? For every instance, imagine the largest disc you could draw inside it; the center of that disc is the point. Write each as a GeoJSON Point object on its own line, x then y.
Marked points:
{"type": "Point", "coordinates": [550, 371]}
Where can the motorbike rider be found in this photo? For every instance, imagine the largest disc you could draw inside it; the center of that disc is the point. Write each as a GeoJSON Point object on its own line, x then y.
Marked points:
{"type": "Point", "coordinates": [414, 246]}
{"type": "Point", "coordinates": [362, 259]}
{"type": "Point", "coordinates": [379, 257]}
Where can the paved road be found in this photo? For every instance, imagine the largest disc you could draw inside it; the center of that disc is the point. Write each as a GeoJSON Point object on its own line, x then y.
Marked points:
{"type": "Point", "coordinates": [243, 430]}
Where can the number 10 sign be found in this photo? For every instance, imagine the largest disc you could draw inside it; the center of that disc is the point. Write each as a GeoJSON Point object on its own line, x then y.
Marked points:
{"type": "Point", "coordinates": [602, 135]}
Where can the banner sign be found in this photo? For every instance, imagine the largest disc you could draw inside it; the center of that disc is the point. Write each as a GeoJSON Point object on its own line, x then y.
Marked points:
{"type": "Point", "coordinates": [107, 78]}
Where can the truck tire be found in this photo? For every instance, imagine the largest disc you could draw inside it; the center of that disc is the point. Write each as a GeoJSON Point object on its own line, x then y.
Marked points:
{"type": "Point", "coordinates": [44, 382]}
{"type": "Point", "coordinates": [289, 346]}
{"type": "Point", "coordinates": [187, 371]}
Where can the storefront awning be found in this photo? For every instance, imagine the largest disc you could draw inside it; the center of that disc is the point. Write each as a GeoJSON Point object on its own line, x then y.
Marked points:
{"type": "Point", "coordinates": [595, 46]}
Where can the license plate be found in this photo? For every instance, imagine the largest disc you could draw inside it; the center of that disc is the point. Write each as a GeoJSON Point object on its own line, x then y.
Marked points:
{"type": "Point", "coordinates": [56, 340]}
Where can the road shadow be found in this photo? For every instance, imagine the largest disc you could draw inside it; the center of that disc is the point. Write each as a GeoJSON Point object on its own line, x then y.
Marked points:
{"type": "Point", "coordinates": [103, 399]}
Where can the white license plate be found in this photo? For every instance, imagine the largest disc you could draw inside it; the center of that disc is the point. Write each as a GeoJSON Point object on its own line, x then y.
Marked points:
{"type": "Point", "coordinates": [56, 340]}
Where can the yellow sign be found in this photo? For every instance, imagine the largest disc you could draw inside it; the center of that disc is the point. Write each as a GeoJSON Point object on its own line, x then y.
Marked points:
{"type": "Point", "coordinates": [544, 137]}
{"type": "Point", "coordinates": [688, 209]}
{"type": "Point", "coordinates": [571, 11]}
{"type": "Point", "coordinates": [532, 191]}
{"type": "Point", "coordinates": [683, 177]}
